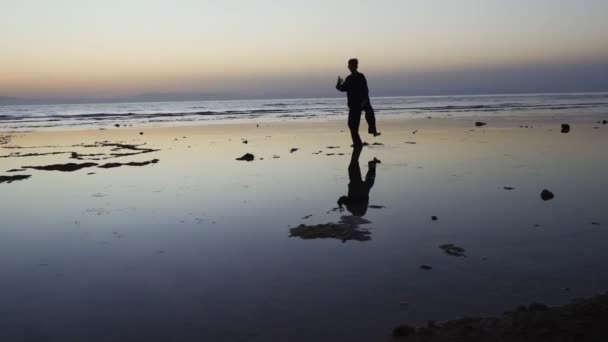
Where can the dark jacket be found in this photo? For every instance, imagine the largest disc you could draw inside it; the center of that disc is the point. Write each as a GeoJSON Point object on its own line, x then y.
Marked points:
{"type": "Point", "coordinates": [355, 86]}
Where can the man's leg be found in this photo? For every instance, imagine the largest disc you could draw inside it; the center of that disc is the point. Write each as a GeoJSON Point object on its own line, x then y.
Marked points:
{"type": "Point", "coordinates": [370, 117]}
{"type": "Point", "coordinates": [354, 119]}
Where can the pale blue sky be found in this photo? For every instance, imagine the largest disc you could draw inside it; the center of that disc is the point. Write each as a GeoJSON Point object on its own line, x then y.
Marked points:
{"type": "Point", "coordinates": [111, 47]}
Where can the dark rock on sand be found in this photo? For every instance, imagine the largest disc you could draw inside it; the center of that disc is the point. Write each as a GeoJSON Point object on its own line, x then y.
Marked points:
{"type": "Point", "coordinates": [453, 250]}
{"type": "Point", "coordinates": [141, 133]}
{"type": "Point", "coordinates": [546, 195]}
{"type": "Point", "coordinates": [69, 167]}
{"type": "Point", "coordinates": [595, 223]}
{"type": "Point", "coordinates": [116, 125]}
{"type": "Point", "coordinates": [411, 142]}
{"type": "Point", "coordinates": [426, 267]}
{"type": "Point", "coordinates": [113, 165]}
{"type": "Point", "coordinates": [480, 124]}
{"type": "Point", "coordinates": [583, 320]}
{"type": "Point", "coordinates": [565, 128]}
{"type": "Point", "coordinates": [376, 206]}
{"type": "Point", "coordinates": [10, 179]}
{"type": "Point", "coordinates": [378, 144]}
{"type": "Point", "coordinates": [293, 150]}
{"type": "Point", "coordinates": [246, 157]}
{"type": "Point", "coordinates": [509, 188]}
{"type": "Point", "coordinates": [403, 331]}
{"type": "Point", "coordinates": [604, 122]}
{"type": "Point", "coordinates": [245, 142]}
{"type": "Point", "coordinates": [331, 147]}
{"type": "Point", "coordinates": [434, 218]}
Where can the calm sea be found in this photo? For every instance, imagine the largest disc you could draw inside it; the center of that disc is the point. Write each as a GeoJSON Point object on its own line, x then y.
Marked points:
{"type": "Point", "coordinates": [100, 115]}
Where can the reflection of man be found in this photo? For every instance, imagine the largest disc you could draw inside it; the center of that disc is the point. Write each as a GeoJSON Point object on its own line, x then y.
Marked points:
{"type": "Point", "coordinates": [358, 190]}
{"type": "Point", "coordinates": [355, 86]}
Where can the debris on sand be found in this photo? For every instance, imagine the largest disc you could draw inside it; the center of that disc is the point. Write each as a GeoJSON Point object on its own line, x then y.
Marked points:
{"type": "Point", "coordinates": [480, 124]}
{"type": "Point", "coordinates": [378, 144]}
{"type": "Point", "coordinates": [426, 267]}
{"type": "Point", "coordinates": [113, 165]}
{"type": "Point", "coordinates": [116, 125]}
{"type": "Point", "coordinates": [453, 250]}
{"type": "Point", "coordinates": [293, 150]}
{"type": "Point", "coordinates": [583, 320]}
{"type": "Point", "coordinates": [604, 122]}
{"type": "Point", "coordinates": [276, 157]}
{"type": "Point", "coordinates": [546, 195]}
{"type": "Point", "coordinates": [414, 132]}
{"type": "Point", "coordinates": [245, 142]}
{"type": "Point", "coordinates": [509, 188]}
{"type": "Point", "coordinates": [595, 223]}
{"type": "Point", "coordinates": [141, 133]}
{"type": "Point", "coordinates": [410, 142]}
{"type": "Point", "coordinates": [565, 128]}
{"type": "Point", "coordinates": [331, 147]}
{"type": "Point", "coordinates": [69, 167]}
{"type": "Point", "coordinates": [10, 179]}
{"type": "Point", "coordinates": [246, 157]}
{"type": "Point", "coordinates": [340, 231]}
{"type": "Point", "coordinates": [434, 218]}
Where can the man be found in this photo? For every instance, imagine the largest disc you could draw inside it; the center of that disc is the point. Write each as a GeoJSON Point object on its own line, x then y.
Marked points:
{"type": "Point", "coordinates": [355, 86]}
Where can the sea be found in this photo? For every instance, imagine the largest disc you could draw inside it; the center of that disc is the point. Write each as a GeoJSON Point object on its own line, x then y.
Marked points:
{"type": "Point", "coordinates": [103, 115]}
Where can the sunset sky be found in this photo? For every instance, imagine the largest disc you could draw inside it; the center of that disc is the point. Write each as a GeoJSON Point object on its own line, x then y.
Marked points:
{"type": "Point", "coordinates": [265, 48]}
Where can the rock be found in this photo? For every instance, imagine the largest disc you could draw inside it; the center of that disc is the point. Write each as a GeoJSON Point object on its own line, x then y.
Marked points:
{"type": "Point", "coordinates": [604, 122]}
{"type": "Point", "coordinates": [480, 124]}
{"type": "Point", "coordinates": [509, 188]}
{"type": "Point", "coordinates": [245, 142]}
{"type": "Point", "coordinates": [403, 331]}
{"type": "Point", "coordinates": [546, 195]}
{"type": "Point", "coordinates": [141, 133]}
{"type": "Point", "coordinates": [411, 142]}
{"type": "Point", "coordinates": [114, 165]}
{"type": "Point", "coordinates": [69, 167]}
{"type": "Point", "coordinates": [10, 179]}
{"type": "Point", "coordinates": [434, 218]}
{"type": "Point", "coordinates": [565, 128]}
{"type": "Point", "coordinates": [453, 250]}
{"type": "Point", "coordinates": [246, 157]}
{"type": "Point", "coordinates": [595, 223]}
{"type": "Point", "coordinates": [116, 125]}
{"type": "Point", "coordinates": [426, 267]}
{"type": "Point", "coordinates": [293, 150]}
{"type": "Point", "coordinates": [378, 144]}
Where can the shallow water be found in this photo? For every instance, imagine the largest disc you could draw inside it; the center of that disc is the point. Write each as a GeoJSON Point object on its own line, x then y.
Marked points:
{"type": "Point", "coordinates": [197, 247]}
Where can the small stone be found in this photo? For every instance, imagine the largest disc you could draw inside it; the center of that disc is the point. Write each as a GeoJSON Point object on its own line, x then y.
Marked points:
{"type": "Point", "coordinates": [546, 195]}
{"type": "Point", "coordinates": [246, 157]}
{"type": "Point", "coordinates": [480, 124]}
{"type": "Point", "coordinates": [245, 142]}
{"type": "Point", "coordinates": [434, 218]}
{"type": "Point", "coordinates": [604, 122]}
{"type": "Point", "coordinates": [426, 267]}
{"type": "Point", "coordinates": [293, 150]}
{"type": "Point", "coordinates": [565, 128]}
{"type": "Point", "coordinates": [116, 125]}
{"type": "Point", "coordinates": [509, 188]}
{"type": "Point", "coordinates": [141, 133]}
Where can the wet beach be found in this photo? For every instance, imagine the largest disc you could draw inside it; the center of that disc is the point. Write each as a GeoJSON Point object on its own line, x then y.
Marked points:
{"type": "Point", "coordinates": [141, 233]}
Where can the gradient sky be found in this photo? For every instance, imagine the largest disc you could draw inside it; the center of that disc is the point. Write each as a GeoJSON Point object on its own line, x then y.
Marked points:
{"type": "Point", "coordinates": [265, 48]}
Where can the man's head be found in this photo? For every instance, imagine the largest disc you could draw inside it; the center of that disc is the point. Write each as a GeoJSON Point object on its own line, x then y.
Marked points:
{"type": "Point", "coordinates": [353, 64]}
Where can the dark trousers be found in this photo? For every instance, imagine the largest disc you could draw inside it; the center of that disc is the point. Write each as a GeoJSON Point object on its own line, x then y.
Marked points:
{"type": "Point", "coordinates": [354, 120]}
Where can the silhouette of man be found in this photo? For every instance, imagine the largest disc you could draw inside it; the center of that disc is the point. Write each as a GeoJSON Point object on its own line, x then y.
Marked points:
{"type": "Point", "coordinates": [355, 86]}
{"type": "Point", "coordinates": [357, 200]}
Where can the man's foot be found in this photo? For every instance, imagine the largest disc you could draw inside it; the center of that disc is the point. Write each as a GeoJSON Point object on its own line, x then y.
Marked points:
{"type": "Point", "coordinates": [373, 132]}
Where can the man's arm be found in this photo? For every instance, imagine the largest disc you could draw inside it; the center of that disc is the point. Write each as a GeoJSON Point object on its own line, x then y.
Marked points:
{"type": "Point", "coordinates": [342, 85]}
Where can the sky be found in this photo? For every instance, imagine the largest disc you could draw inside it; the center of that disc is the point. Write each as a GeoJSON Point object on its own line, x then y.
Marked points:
{"type": "Point", "coordinates": [285, 48]}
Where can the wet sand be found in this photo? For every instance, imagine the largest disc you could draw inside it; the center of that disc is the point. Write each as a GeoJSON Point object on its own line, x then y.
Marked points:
{"type": "Point", "coordinates": [140, 233]}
